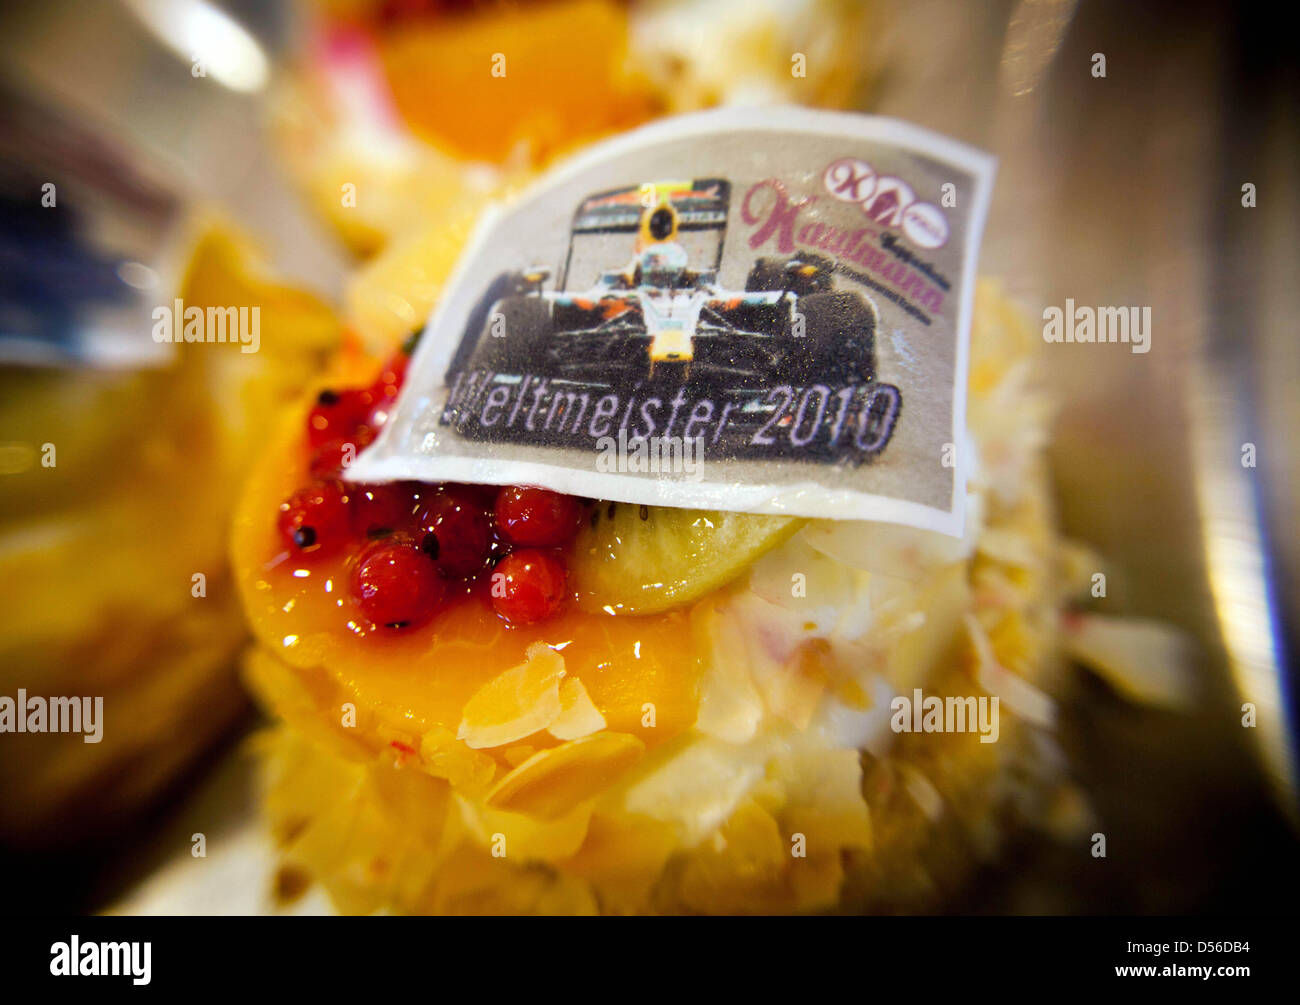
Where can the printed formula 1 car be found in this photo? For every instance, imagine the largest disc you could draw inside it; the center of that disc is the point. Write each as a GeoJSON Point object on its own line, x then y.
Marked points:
{"type": "Point", "coordinates": [660, 316]}
{"type": "Point", "coordinates": [790, 360]}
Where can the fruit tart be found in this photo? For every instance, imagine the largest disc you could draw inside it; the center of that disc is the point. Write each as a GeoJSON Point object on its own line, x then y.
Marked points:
{"type": "Point", "coordinates": [508, 700]}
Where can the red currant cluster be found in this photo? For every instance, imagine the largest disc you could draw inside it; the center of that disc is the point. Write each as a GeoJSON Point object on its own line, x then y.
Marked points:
{"type": "Point", "coordinates": [412, 541]}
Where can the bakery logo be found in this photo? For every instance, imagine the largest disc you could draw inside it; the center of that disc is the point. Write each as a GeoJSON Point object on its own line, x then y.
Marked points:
{"type": "Point", "coordinates": [638, 338]}
{"type": "Point", "coordinates": [876, 261]}
{"type": "Point", "coordinates": [888, 201]}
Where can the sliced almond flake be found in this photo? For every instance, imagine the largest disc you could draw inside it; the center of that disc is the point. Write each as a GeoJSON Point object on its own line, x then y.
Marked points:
{"type": "Point", "coordinates": [922, 791]}
{"type": "Point", "coordinates": [794, 692]}
{"type": "Point", "coordinates": [522, 837]}
{"type": "Point", "coordinates": [516, 703]}
{"type": "Point", "coordinates": [1146, 661]}
{"type": "Point", "coordinates": [906, 553]}
{"type": "Point", "coordinates": [1014, 691]}
{"type": "Point", "coordinates": [1007, 546]}
{"type": "Point", "coordinates": [698, 786]}
{"type": "Point", "coordinates": [825, 798]}
{"type": "Point", "coordinates": [829, 590]}
{"type": "Point", "coordinates": [579, 715]}
{"type": "Point", "coordinates": [921, 640]}
{"type": "Point", "coordinates": [552, 782]}
{"type": "Point", "coordinates": [730, 706]}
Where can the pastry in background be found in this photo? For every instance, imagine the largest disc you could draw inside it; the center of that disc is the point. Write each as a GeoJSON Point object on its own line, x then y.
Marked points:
{"type": "Point", "coordinates": [401, 124]}
{"type": "Point", "coordinates": [99, 549]}
{"type": "Point", "coordinates": [396, 116]}
{"type": "Point", "coordinates": [702, 53]}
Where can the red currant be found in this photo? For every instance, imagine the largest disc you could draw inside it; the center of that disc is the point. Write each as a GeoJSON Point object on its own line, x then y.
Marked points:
{"type": "Point", "coordinates": [394, 371]}
{"type": "Point", "coordinates": [395, 584]}
{"type": "Point", "coordinates": [484, 495]}
{"type": "Point", "coordinates": [315, 519]}
{"type": "Point", "coordinates": [456, 530]}
{"type": "Point", "coordinates": [336, 415]}
{"type": "Point", "coordinates": [386, 388]}
{"type": "Point", "coordinates": [537, 517]}
{"type": "Point", "coordinates": [384, 509]}
{"type": "Point", "coordinates": [331, 459]}
{"type": "Point", "coordinates": [384, 398]}
{"type": "Point", "coordinates": [528, 585]}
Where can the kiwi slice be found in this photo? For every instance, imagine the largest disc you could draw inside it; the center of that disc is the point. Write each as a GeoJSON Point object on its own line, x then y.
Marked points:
{"type": "Point", "coordinates": [634, 559]}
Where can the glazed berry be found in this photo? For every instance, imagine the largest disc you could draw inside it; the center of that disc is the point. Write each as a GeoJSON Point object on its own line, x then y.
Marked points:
{"type": "Point", "coordinates": [457, 531]}
{"type": "Point", "coordinates": [528, 585]}
{"type": "Point", "coordinates": [379, 510]}
{"type": "Point", "coordinates": [537, 517]}
{"type": "Point", "coordinates": [331, 459]}
{"type": "Point", "coordinates": [384, 400]}
{"type": "Point", "coordinates": [315, 519]}
{"type": "Point", "coordinates": [394, 371]}
{"type": "Point", "coordinates": [395, 584]}
{"type": "Point", "coordinates": [337, 414]}
{"type": "Point", "coordinates": [484, 495]}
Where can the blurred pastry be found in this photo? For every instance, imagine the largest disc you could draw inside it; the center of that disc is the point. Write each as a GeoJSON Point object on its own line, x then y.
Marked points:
{"type": "Point", "coordinates": [117, 489]}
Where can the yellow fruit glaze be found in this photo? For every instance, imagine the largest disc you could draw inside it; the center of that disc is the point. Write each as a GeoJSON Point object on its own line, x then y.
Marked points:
{"type": "Point", "coordinates": [414, 682]}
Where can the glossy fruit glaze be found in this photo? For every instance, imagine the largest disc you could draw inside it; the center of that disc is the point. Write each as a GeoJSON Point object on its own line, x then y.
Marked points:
{"type": "Point", "coordinates": [641, 672]}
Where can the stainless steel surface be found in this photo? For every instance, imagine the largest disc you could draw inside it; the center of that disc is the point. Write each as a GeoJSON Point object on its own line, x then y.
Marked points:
{"type": "Point", "coordinates": [1127, 190]}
